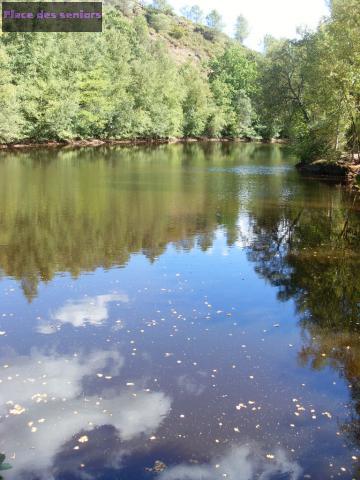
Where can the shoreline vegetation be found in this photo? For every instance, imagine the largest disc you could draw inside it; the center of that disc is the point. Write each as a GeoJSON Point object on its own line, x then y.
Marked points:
{"type": "Point", "coordinates": [95, 142]}
{"type": "Point", "coordinates": [181, 79]}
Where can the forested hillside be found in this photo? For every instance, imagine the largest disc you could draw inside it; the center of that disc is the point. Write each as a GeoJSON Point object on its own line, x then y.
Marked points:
{"type": "Point", "coordinates": [149, 74]}
{"type": "Point", "coordinates": [153, 75]}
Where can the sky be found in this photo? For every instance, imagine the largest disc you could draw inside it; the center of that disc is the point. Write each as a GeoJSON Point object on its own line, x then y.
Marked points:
{"type": "Point", "coordinates": [280, 18]}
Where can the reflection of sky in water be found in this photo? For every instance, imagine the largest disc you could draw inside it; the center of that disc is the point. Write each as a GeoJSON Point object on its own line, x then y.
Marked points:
{"type": "Point", "coordinates": [255, 170]}
{"type": "Point", "coordinates": [92, 311]}
{"type": "Point", "coordinates": [170, 352]}
{"type": "Point", "coordinates": [207, 377]}
{"type": "Point", "coordinates": [45, 406]}
{"type": "Point", "coordinates": [50, 413]}
{"type": "Point", "coordinates": [241, 463]}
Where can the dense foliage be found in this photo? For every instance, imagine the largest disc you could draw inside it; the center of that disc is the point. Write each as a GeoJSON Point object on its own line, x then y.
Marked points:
{"type": "Point", "coordinates": [310, 87]}
{"type": "Point", "coordinates": [122, 83]}
{"type": "Point", "coordinates": [151, 74]}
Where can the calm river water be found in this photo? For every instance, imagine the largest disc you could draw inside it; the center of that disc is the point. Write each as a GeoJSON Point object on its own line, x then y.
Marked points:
{"type": "Point", "coordinates": [184, 312]}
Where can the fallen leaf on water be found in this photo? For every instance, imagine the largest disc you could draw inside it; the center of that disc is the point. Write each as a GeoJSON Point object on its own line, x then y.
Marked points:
{"type": "Point", "coordinates": [159, 466]}
{"type": "Point", "coordinates": [17, 410]}
{"type": "Point", "coordinates": [327, 414]}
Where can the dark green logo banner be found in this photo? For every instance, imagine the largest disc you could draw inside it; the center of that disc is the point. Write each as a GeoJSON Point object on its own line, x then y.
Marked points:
{"type": "Point", "coordinates": [51, 16]}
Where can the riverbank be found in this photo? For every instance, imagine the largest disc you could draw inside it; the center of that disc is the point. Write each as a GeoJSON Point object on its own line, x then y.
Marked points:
{"type": "Point", "coordinates": [99, 143]}
{"type": "Point", "coordinates": [346, 170]}
{"type": "Point", "coordinates": [131, 142]}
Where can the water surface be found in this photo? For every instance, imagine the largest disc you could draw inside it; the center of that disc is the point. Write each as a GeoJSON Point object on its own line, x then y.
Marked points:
{"type": "Point", "coordinates": [185, 312]}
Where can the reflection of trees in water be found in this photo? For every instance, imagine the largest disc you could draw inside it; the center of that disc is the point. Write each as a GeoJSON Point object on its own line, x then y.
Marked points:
{"type": "Point", "coordinates": [75, 210]}
{"type": "Point", "coordinates": [312, 259]}
{"type": "Point", "coordinates": [340, 350]}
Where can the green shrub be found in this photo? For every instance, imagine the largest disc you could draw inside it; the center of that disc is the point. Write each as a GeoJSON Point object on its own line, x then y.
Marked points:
{"type": "Point", "coordinates": [159, 22]}
{"type": "Point", "coordinates": [177, 32]}
{"type": "Point", "coordinates": [315, 144]}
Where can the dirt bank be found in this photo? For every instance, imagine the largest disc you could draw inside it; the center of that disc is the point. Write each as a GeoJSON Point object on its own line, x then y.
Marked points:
{"type": "Point", "coordinates": [346, 170]}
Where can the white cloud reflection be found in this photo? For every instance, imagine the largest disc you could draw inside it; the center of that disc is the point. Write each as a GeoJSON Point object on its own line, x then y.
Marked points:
{"type": "Point", "coordinates": [79, 313]}
{"type": "Point", "coordinates": [246, 462]}
{"type": "Point", "coordinates": [42, 407]}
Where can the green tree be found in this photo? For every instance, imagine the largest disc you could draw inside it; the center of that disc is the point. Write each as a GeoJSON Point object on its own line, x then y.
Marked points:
{"type": "Point", "coordinates": [241, 29]}
{"type": "Point", "coordinates": [310, 88]}
{"type": "Point", "coordinates": [10, 117]}
{"type": "Point", "coordinates": [214, 21]}
{"type": "Point", "coordinates": [233, 83]}
{"type": "Point", "coordinates": [344, 33]}
{"type": "Point", "coordinates": [193, 13]}
{"type": "Point", "coordinates": [196, 14]}
{"type": "Point", "coordinates": [197, 101]}
{"type": "Point", "coordinates": [125, 6]}
{"type": "Point", "coordinates": [157, 94]}
{"type": "Point", "coordinates": [49, 101]}
{"type": "Point", "coordinates": [185, 11]}
{"type": "Point", "coordinates": [160, 22]}
{"type": "Point", "coordinates": [162, 6]}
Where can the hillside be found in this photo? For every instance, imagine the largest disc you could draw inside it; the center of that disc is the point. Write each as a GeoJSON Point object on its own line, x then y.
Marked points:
{"type": "Point", "coordinates": [184, 38]}
{"type": "Point", "coordinates": [153, 75]}
{"type": "Point", "coordinates": [149, 75]}
{"type": "Point", "coordinates": [187, 40]}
